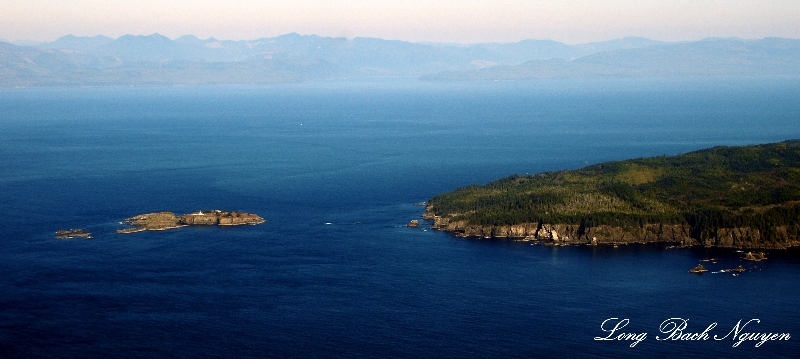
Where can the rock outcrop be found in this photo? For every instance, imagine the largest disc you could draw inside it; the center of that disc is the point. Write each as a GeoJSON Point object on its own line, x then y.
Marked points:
{"type": "Point", "coordinates": [199, 218]}
{"type": "Point", "coordinates": [158, 221]}
{"type": "Point", "coordinates": [240, 218]}
{"type": "Point", "coordinates": [755, 256]}
{"type": "Point", "coordinates": [699, 269]}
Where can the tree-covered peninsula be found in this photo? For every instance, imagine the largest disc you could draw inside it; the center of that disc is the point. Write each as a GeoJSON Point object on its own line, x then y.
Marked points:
{"type": "Point", "coordinates": [746, 197]}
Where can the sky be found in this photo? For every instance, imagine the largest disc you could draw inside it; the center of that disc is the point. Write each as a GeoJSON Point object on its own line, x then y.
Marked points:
{"type": "Point", "coordinates": [451, 21]}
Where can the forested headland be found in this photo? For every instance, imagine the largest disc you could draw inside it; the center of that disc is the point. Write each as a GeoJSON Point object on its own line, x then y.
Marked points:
{"type": "Point", "coordinates": [723, 196]}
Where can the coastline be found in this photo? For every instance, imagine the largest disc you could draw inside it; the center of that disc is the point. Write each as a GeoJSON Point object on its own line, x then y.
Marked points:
{"type": "Point", "coordinates": [735, 197]}
{"type": "Point", "coordinates": [681, 235]}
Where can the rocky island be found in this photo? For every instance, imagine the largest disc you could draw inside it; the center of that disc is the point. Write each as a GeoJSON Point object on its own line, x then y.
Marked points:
{"type": "Point", "coordinates": [739, 197]}
{"type": "Point", "coordinates": [72, 233]}
{"type": "Point", "coordinates": [699, 269]}
{"type": "Point", "coordinates": [160, 221]}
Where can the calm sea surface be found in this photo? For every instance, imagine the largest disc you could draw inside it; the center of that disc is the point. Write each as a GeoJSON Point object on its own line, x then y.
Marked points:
{"type": "Point", "coordinates": [336, 168]}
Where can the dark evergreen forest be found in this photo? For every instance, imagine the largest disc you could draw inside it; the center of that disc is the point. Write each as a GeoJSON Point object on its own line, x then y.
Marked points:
{"type": "Point", "coordinates": [721, 187]}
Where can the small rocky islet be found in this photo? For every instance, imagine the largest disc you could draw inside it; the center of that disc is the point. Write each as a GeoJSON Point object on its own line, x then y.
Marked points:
{"type": "Point", "coordinates": [700, 269]}
{"type": "Point", "coordinates": [72, 233]}
{"type": "Point", "coordinates": [160, 221]}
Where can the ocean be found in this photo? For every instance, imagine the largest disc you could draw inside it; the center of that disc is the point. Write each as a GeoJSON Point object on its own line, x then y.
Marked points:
{"type": "Point", "coordinates": [337, 169]}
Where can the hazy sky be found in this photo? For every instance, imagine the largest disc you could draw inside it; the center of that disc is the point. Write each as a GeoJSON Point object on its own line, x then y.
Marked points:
{"type": "Point", "coordinates": [463, 21]}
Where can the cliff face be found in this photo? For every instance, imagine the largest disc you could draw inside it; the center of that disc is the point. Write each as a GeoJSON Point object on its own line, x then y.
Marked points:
{"type": "Point", "coordinates": [221, 218]}
{"type": "Point", "coordinates": [746, 237]}
{"type": "Point", "coordinates": [683, 234]}
{"type": "Point", "coordinates": [208, 219]}
{"type": "Point", "coordinates": [236, 219]}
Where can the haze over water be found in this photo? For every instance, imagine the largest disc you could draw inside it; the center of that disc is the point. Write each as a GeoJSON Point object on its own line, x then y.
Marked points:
{"type": "Point", "coordinates": [335, 168]}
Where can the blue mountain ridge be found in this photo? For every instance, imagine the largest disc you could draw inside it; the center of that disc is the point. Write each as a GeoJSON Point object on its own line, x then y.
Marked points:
{"type": "Point", "coordinates": [156, 59]}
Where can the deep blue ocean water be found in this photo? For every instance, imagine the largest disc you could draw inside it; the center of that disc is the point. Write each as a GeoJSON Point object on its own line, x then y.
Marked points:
{"type": "Point", "coordinates": [336, 168]}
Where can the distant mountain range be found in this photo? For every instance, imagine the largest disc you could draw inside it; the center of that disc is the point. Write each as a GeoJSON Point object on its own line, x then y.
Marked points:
{"type": "Point", "coordinates": [770, 57]}
{"type": "Point", "coordinates": [158, 60]}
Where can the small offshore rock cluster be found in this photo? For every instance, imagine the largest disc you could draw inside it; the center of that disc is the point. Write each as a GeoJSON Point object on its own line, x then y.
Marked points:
{"type": "Point", "coordinates": [749, 256]}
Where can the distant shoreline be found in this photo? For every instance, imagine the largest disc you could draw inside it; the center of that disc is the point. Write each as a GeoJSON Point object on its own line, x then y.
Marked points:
{"type": "Point", "coordinates": [156, 60]}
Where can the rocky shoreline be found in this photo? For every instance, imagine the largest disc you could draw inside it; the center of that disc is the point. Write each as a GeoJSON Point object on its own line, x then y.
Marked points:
{"type": "Point", "coordinates": [566, 234]}
{"type": "Point", "coordinates": [160, 221]}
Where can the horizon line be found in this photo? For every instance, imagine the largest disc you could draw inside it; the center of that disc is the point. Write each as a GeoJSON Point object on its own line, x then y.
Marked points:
{"type": "Point", "coordinates": [24, 42]}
